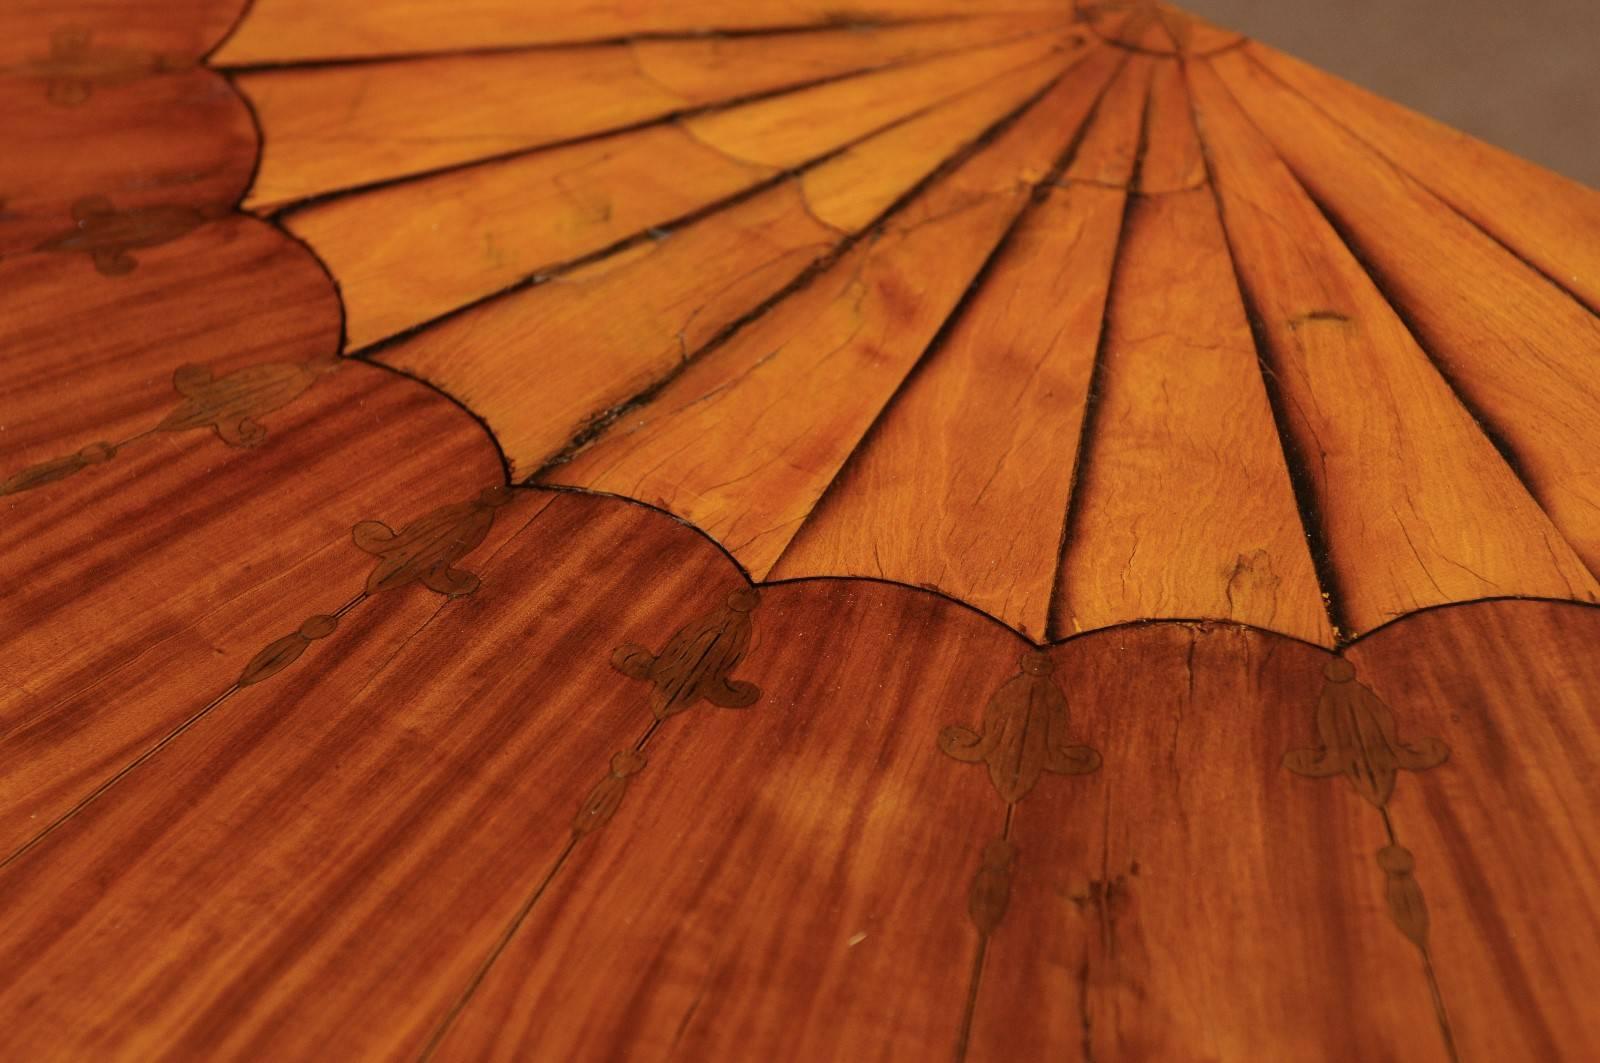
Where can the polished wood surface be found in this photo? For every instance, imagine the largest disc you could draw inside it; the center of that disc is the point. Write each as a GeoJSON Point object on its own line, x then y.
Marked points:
{"type": "Point", "coordinates": [912, 530]}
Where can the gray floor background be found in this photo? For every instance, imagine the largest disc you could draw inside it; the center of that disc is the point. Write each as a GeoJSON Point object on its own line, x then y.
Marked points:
{"type": "Point", "coordinates": [1523, 74]}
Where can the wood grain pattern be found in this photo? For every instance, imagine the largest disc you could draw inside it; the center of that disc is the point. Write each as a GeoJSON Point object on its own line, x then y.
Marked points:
{"type": "Point", "coordinates": [336, 127]}
{"type": "Point", "coordinates": [408, 253]}
{"type": "Point", "coordinates": [795, 765]}
{"type": "Point", "coordinates": [285, 30]}
{"type": "Point", "coordinates": [1183, 460]}
{"type": "Point", "coordinates": [1520, 351]}
{"type": "Point", "coordinates": [1505, 838]}
{"type": "Point", "coordinates": [1060, 255]}
{"type": "Point", "coordinates": [850, 335]}
{"type": "Point", "coordinates": [1545, 218]}
{"type": "Point", "coordinates": [437, 810]}
{"type": "Point", "coordinates": [639, 314]}
{"type": "Point", "coordinates": [1417, 506]}
{"type": "Point", "coordinates": [320, 739]}
{"type": "Point", "coordinates": [1173, 160]}
{"type": "Point", "coordinates": [172, 139]}
{"type": "Point", "coordinates": [758, 246]}
{"type": "Point", "coordinates": [790, 129]}
{"type": "Point", "coordinates": [143, 586]}
{"type": "Point", "coordinates": [637, 248]}
{"type": "Point", "coordinates": [98, 42]}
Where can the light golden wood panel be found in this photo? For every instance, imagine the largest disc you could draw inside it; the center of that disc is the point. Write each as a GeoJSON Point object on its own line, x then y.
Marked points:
{"type": "Point", "coordinates": [638, 314]}
{"type": "Point", "coordinates": [1550, 221]}
{"type": "Point", "coordinates": [335, 127]}
{"type": "Point", "coordinates": [280, 30]}
{"type": "Point", "coordinates": [1183, 506]}
{"type": "Point", "coordinates": [1156, 28]}
{"type": "Point", "coordinates": [542, 363]}
{"type": "Point", "coordinates": [1172, 159]}
{"type": "Point", "coordinates": [1522, 353]}
{"type": "Point", "coordinates": [1416, 506]}
{"type": "Point", "coordinates": [1111, 144]}
{"type": "Point", "coordinates": [790, 129]}
{"type": "Point", "coordinates": [701, 68]}
{"type": "Point", "coordinates": [952, 459]}
{"type": "Point", "coordinates": [1140, 29]}
{"type": "Point", "coordinates": [726, 446]}
{"type": "Point", "coordinates": [410, 252]}
{"type": "Point", "coordinates": [851, 191]}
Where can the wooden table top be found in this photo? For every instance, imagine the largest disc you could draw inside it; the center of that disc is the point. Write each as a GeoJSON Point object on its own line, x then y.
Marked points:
{"type": "Point", "coordinates": [772, 529]}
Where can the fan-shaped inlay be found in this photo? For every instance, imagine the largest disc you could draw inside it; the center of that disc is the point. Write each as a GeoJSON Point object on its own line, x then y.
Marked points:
{"type": "Point", "coordinates": [1079, 316]}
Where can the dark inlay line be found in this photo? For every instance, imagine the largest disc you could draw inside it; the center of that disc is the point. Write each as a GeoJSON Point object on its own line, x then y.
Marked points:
{"type": "Point", "coordinates": [245, 11]}
{"type": "Point", "coordinates": [375, 349]}
{"type": "Point", "coordinates": [344, 334]}
{"type": "Point", "coordinates": [606, 418]}
{"type": "Point", "coordinates": [513, 926]}
{"type": "Point", "coordinates": [1554, 280]}
{"type": "Point", "coordinates": [171, 736]}
{"type": "Point", "coordinates": [1385, 287]}
{"type": "Point", "coordinates": [979, 958]}
{"type": "Point", "coordinates": [847, 470]}
{"type": "Point", "coordinates": [1436, 996]}
{"type": "Point", "coordinates": [1072, 518]}
{"type": "Point", "coordinates": [1301, 480]}
{"type": "Point", "coordinates": [320, 198]}
{"type": "Point", "coordinates": [840, 25]}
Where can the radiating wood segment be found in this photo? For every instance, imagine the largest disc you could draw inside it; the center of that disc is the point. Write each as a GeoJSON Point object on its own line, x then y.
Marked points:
{"type": "Point", "coordinates": [696, 282]}
{"type": "Point", "coordinates": [621, 323]}
{"type": "Point", "coordinates": [328, 128]}
{"type": "Point", "coordinates": [1416, 506]}
{"type": "Point", "coordinates": [281, 31]}
{"type": "Point", "coordinates": [850, 335]}
{"type": "Point", "coordinates": [998, 458]}
{"type": "Point", "coordinates": [1541, 215]}
{"type": "Point", "coordinates": [411, 252]}
{"type": "Point", "coordinates": [568, 290]}
{"type": "Point", "coordinates": [788, 130]}
{"type": "Point", "coordinates": [1522, 353]}
{"type": "Point", "coordinates": [415, 250]}
{"type": "Point", "coordinates": [1183, 460]}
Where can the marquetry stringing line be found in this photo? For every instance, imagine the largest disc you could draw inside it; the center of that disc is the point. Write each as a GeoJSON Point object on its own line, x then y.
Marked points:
{"type": "Point", "coordinates": [424, 551]}
{"type": "Point", "coordinates": [1023, 735]}
{"type": "Point", "coordinates": [1358, 737]}
{"type": "Point", "coordinates": [987, 900]}
{"type": "Point", "coordinates": [229, 405]}
{"type": "Point", "coordinates": [694, 666]}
